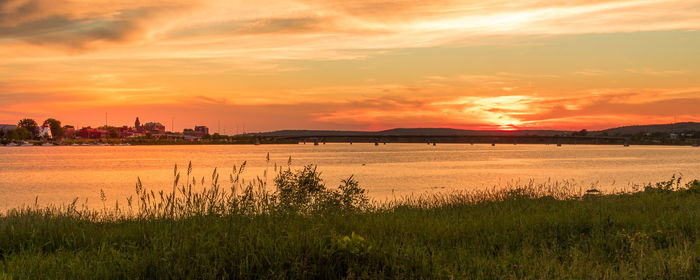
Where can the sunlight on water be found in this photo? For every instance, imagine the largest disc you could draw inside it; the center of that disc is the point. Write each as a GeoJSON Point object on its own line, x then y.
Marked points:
{"type": "Point", "coordinates": [59, 174]}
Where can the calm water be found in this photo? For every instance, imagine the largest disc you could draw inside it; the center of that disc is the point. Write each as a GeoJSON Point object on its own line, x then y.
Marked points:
{"type": "Point", "coordinates": [59, 174]}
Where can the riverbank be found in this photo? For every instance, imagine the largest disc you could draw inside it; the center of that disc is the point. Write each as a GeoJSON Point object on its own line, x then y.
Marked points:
{"type": "Point", "coordinates": [305, 230]}
{"type": "Point", "coordinates": [272, 141]}
{"type": "Point", "coordinates": [147, 141]}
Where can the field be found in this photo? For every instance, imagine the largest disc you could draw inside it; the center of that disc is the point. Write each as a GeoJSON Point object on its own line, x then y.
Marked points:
{"type": "Point", "coordinates": [306, 230]}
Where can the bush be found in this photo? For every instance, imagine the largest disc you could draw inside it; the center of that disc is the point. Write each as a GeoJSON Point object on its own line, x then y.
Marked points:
{"type": "Point", "coordinates": [669, 186]}
{"type": "Point", "coordinates": [303, 190]}
{"type": "Point", "coordinates": [693, 187]}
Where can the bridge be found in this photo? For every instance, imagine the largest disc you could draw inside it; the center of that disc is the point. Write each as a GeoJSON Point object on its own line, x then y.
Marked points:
{"type": "Point", "coordinates": [467, 139]}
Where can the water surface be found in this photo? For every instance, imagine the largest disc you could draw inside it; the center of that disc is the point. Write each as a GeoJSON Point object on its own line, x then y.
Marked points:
{"type": "Point", "coordinates": [59, 174]}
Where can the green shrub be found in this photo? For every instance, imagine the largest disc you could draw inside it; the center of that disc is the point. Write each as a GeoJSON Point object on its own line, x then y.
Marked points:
{"type": "Point", "coordinates": [303, 190]}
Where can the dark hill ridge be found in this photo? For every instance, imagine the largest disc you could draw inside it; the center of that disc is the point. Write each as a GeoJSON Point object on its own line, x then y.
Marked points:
{"type": "Point", "coordinates": [664, 128]}
{"type": "Point", "coordinates": [624, 130]}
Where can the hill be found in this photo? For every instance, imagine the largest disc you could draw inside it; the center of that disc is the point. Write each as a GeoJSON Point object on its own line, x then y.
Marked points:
{"type": "Point", "coordinates": [652, 128]}
{"type": "Point", "coordinates": [623, 130]}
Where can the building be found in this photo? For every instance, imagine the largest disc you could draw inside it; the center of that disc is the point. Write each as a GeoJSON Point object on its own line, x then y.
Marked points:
{"type": "Point", "coordinates": [191, 138]}
{"type": "Point", "coordinates": [200, 131]}
{"type": "Point", "coordinates": [125, 131]}
{"type": "Point", "coordinates": [154, 128]}
{"type": "Point", "coordinates": [45, 131]}
{"type": "Point", "coordinates": [4, 128]}
{"type": "Point", "coordinates": [68, 131]}
{"type": "Point", "coordinates": [92, 133]}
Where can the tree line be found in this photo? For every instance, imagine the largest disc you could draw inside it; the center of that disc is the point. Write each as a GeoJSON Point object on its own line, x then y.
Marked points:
{"type": "Point", "coordinates": [30, 129]}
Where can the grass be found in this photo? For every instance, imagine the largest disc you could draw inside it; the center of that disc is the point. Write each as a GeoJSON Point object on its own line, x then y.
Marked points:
{"type": "Point", "coordinates": [304, 230]}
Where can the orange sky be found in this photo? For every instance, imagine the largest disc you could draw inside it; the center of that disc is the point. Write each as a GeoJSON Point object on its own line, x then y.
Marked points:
{"type": "Point", "coordinates": [361, 65]}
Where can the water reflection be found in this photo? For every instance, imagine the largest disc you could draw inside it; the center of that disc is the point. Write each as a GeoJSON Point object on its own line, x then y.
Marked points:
{"type": "Point", "coordinates": [59, 174]}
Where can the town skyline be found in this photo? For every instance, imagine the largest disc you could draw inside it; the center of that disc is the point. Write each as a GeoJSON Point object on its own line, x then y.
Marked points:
{"type": "Point", "coordinates": [54, 129]}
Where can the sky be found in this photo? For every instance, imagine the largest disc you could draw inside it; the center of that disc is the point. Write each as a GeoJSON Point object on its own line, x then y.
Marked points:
{"type": "Point", "coordinates": [248, 66]}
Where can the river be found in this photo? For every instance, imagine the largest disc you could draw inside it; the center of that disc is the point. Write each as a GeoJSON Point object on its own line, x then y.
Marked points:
{"type": "Point", "coordinates": [58, 174]}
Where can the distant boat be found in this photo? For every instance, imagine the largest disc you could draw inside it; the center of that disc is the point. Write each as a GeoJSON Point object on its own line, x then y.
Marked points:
{"type": "Point", "coordinates": [75, 144]}
{"type": "Point", "coordinates": [47, 144]}
{"type": "Point", "coordinates": [25, 143]}
{"type": "Point", "coordinates": [11, 144]}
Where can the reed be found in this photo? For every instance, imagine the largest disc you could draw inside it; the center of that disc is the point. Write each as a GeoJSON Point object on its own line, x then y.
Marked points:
{"type": "Point", "coordinates": [299, 228]}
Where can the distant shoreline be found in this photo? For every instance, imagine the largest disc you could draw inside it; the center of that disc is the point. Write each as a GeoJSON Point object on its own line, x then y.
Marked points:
{"type": "Point", "coordinates": [184, 143]}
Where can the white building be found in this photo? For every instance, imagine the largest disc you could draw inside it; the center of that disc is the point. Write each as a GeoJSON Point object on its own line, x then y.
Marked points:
{"type": "Point", "coordinates": [45, 131]}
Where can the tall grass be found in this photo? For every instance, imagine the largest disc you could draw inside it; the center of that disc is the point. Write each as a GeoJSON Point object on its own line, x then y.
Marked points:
{"type": "Point", "coordinates": [301, 229]}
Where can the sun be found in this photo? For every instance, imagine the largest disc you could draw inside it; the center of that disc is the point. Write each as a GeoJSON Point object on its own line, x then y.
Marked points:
{"type": "Point", "coordinates": [509, 126]}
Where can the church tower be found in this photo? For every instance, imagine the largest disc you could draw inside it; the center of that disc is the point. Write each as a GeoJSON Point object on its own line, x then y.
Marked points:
{"type": "Point", "coordinates": [137, 125]}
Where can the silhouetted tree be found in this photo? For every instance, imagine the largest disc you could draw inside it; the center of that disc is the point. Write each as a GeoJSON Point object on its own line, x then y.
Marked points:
{"type": "Point", "coordinates": [582, 132]}
{"type": "Point", "coordinates": [56, 130]}
{"type": "Point", "coordinates": [113, 132]}
{"type": "Point", "coordinates": [19, 133]}
{"type": "Point", "coordinates": [30, 125]}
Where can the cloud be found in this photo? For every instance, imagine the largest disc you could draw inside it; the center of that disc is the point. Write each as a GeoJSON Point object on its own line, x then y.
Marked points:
{"type": "Point", "coordinates": [258, 26]}
{"type": "Point", "coordinates": [276, 25]}
{"type": "Point", "coordinates": [37, 22]}
{"type": "Point", "coordinates": [324, 27]}
{"type": "Point", "coordinates": [612, 105]}
{"type": "Point", "coordinates": [523, 112]}
{"type": "Point", "coordinates": [590, 111]}
{"type": "Point", "coordinates": [355, 64]}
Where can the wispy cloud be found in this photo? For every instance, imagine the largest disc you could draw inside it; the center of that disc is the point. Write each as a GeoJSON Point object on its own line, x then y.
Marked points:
{"type": "Point", "coordinates": [617, 107]}
{"type": "Point", "coordinates": [324, 26]}
{"type": "Point", "coordinates": [41, 23]}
